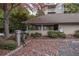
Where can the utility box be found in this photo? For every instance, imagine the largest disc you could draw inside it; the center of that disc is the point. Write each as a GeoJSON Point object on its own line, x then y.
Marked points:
{"type": "Point", "coordinates": [18, 37]}
{"type": "Point", "coordinates": [23, 36]}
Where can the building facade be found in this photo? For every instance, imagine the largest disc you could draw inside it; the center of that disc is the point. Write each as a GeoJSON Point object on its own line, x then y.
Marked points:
{"type": "Point", "coordinates": [67, 23]}
{"type": "Point", "coordinates": [54, 8]}
{"type": "Point", "coordinates": [47, 8]}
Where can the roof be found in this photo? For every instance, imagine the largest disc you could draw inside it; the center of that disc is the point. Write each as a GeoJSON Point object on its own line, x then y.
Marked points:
{"type": "Point", "coordinates": [55, 18]}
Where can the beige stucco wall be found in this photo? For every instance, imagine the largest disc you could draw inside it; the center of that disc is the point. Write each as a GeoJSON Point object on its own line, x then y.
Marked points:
{"type": "Point", "coordinates": [69, 28]}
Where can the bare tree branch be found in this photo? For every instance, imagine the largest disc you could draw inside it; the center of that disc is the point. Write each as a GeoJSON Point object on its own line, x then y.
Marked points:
{"type": "Point", "coordinates": [13, 6]}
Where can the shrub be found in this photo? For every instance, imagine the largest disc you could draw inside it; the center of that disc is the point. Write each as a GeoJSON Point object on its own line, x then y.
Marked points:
{"type": "Point", "coordinates": [33, 35]}
{"type": "Point", "coordinates": [76, 31]}
{"type": "Point", "coordinates": [52, 34]}
{"type": "Point", "coordinates": [1, 30]}
{"type": "Point", "coordinates": [61, 35]}
{"type": "Point", "coordinates": [36, 34]}
{"type": "Point", "coordinates": [8, 45]}
{"type": "Point", "coordinates": [76, 34]}
{"type": "Point", "coordinates": [56, 34]}
{"type": "Point", "coordinates": [49, 33]}
{"type": "Point", "coordinates": [27, 35]}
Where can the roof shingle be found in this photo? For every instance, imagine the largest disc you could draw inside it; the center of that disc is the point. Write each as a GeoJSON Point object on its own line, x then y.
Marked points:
{"type": "Point", "coordinates": [55, 18]}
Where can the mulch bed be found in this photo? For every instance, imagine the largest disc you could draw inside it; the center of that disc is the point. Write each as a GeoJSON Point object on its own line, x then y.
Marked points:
{"type": "Point", "coordinates": [4, 52]}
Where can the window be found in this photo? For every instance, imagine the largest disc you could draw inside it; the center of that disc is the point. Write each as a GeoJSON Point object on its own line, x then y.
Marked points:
{"type": "Point", "coordinates": [48, 27]}
{"type": "Point", "coordinates": [51, 6]}
{"type": "Point", "coordinates": [51, 12]}
{"type": "Point", "coordinates": [55, 26]}
{"type": "Point", "coordinates": [35, 27]}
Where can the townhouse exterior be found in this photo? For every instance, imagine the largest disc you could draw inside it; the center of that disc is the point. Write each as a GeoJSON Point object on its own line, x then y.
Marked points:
{"type": "Point", "coordinates": [68, 23]}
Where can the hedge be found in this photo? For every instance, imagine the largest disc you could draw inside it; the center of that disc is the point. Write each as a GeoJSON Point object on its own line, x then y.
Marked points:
{"type": "Point", "coordinates": [36, 34]}
{"type": "Point", "coordinates": [8, 44]}
{"type": "Point", "coordinates": [76, 34]}
{"type": "Point", "coordinates": [56, 34]}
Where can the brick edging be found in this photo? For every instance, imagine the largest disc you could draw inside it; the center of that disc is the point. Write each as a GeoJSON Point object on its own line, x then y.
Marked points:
{"type": "Point", "coordinates": [10, 53]}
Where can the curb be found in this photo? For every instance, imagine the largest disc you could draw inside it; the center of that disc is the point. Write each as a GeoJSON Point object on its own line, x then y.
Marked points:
{"type": "Point", "coordinates": [17, 49]}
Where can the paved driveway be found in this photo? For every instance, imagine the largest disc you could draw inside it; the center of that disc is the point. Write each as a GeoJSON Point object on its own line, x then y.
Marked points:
{"type": "Point", "coordinates": [50, 47]}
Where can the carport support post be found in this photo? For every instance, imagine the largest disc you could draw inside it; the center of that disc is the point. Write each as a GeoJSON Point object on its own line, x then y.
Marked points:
{"type": "Point", "coordinates": [28, 30]}
{"type": "Point", "coordinates": [27, 27]}
{"type": "Point", "coordinates": [41, 27]}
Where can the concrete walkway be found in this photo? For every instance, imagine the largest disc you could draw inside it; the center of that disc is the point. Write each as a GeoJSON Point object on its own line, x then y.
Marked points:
{"type": "Point", "coordinates": [50, 47]}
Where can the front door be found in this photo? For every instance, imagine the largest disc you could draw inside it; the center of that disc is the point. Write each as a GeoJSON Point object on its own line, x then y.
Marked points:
{"type": "Point", "coordinates": [55, 26]}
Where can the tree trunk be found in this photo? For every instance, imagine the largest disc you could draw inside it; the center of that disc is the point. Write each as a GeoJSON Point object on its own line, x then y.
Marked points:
{"type": "Point", "coordinates": [6, 20]}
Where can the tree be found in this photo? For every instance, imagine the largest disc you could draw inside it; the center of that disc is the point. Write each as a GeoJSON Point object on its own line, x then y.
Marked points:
{"type": "Point", "coordinates": [7, 9]}
{"type": "Point", "coordinates": [40, 13]}
{"type": "Point", "coordinates": [1, 21]}
{"type": "Point", "coordinates": [18, 15]}
{"type": "Point", "coordinates": [1, 18]}
{"type": "Point", "coordinates": [71, 8]}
